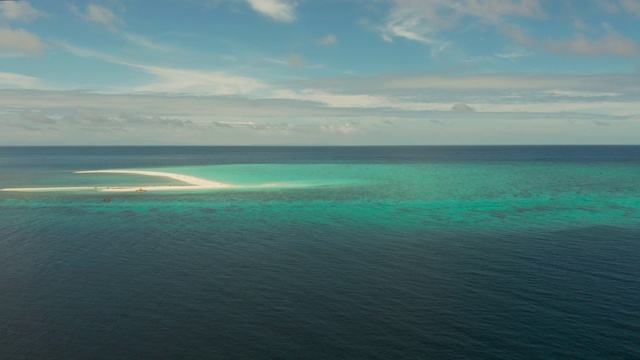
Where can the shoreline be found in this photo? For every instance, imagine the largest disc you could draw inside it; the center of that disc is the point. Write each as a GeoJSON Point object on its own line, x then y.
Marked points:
{"type": "Point", "coordinates": [194, 183]}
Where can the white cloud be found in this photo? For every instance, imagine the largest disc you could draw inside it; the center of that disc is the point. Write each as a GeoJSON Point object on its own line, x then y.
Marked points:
{"type": "Point", "coordinates": [330, 39]}
{"type": "Point", "coordinates": [518, 35]}
{"type": "Point", "coordinates": [148, 104]}
{"type": "Point", "coordinates": [358, 101]}
{"type": "Point", "coordinates": [10, 80]}
{"type": "Point", "coordinates": [18, 11]}
{"type": "Point", "coordinates": [104, 17]}
{"type": "Point", "coordinates": [568, 93]}
{"type": "Point", "coordinates": [36, 117]}
{"type": "Point", "coordinates": [315, 115]}
{"type": "Point", "coordinates": [490, 93]}
{"type": "Point", "coordinates": [403, 23]}
{"type": "Point", "coordinates": [198, 82]}
{"type": "Point", "coordinates": [343, 128]}
{"type": "Point", "coordinates": [282, 108]}
{"type": "Point", "coordinates": [331, 99]}
{"type": "Point", "coordinates": [279, 10]}
{"type": "Point", "coordinates": [21, 41]}
{"type": "Point", "coordinates": [87, 53]}
{"type": "Point", "coordinates": [430, 22]}
{"type": "Point", "coordinates": [495, 10]}
{"type": "Point", "coordinates": [147, 43]}
{"type": "Point", "coordinates": [235, 123]}
{"type": "Point", "coordinates": [509, 82]}
{"type": "Point", "coordinates": [293, 60]}
{"type": "Point", "coordinates": [423, 21]}
{"type": "Point", "coordinates": [611, 44]}
{"type": "Point", "coordinates": [515, 95]}
{"type": "Point", "coordinates": [174, 80]}
{"type": "Point", "coordinates": [632, 5]}
{"type": "Point", "coordinates": [516, 54]}
{"type": "Point", "coordinates": [98, 14]}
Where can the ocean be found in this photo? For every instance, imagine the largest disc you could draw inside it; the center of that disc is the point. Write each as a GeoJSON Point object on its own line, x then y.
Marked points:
{"type": "Point", "coordinates": [409, 252]}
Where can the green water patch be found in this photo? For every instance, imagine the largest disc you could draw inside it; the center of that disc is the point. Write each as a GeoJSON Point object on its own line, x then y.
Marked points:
{"type": "Point", "coordinates": [263, 210]}
{"type": "Point", "coordinates": [428, 182]}
{"type": "Point", "coordinates": [422, 196]}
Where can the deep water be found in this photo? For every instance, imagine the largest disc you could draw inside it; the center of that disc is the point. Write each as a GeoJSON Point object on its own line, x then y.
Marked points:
{"type": "Point", "coordinates": [380, 253]}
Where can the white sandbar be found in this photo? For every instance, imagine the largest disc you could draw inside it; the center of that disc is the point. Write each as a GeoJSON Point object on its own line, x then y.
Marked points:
{"type": "Point", "coordinates": [67, 188]}
{"type": "Point", "coordinates": [195, 183]}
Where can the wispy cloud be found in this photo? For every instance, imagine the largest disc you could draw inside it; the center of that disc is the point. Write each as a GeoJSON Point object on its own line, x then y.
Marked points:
{"type": "Point", "coordinates": [11, 80]}
{"type": "Point", "coordinates": [495, 10]}
{"type": "Point", "coordinates": [424, 21]}
{"type": "Point", "coordinates": [330, 39]}
{"type": "Point", "coordinates": [88, 53]}
{"type": "Point", "coordinates": [99, 15]}
{"type": "Point", "coordinates": [166, 118]}
{"type": "Point", "coordinates": [176, 80]}
{"type": "Point", "coordinates": [268, 88]}
{"type": "Point", "coordinates": [407, 25]}
{"type": "Point", "coordinates": [279, 10]}
{"type": "Point", "coordinates": [345, 128]}
{"type": "Point", "coordinates": [147, 43]}
{"type": "Point", "coordinates": [489, 93]}
{"type": "Point", "coordinates": [103, 16]}
{"type": "Point", "coordinates": [21, 41]}
{"type": "Point", "coordinates": [36, 117]}
{"type": "Point", "coordinates": [515, 82]}
{"type": "Point", "coordinates": [632, 5]}
{"type": "Point", "coordinates": [198, 82]}
{"type": "Point", "coordinates": [18, 11]}
{"type": "Point", "coordinates": [610, 44]}
{"type": "Point", "coordinates": [292, 60]}
{"type": "Point", "coordinates": [433, 23]}
{"type": "Point", "coordinates": [516, 54]}
{"type": "Point", "coordinates": [332, 99]}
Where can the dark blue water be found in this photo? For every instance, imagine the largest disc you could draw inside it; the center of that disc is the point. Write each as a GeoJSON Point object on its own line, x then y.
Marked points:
{"type": "Point", "coordinates": [360, 271]}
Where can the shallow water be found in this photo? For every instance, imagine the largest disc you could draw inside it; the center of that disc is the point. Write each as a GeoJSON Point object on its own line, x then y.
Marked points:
{"type": "Point", "coordinates": [390, 252]}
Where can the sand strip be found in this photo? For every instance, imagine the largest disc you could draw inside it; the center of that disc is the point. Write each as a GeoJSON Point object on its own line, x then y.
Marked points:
{"type": "Point", "coordinates": [195, 183]}
{"type": "Point", "coordinates": [67, 188]}
{"type": "Point", "coordinates": [191, 180]}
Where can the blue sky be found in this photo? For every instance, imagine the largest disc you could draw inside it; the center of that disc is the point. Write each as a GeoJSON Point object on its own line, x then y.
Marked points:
{"type": "Point", "coordinates": [316, 72]}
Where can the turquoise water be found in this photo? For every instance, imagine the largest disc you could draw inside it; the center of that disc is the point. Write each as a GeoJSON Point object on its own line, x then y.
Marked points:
{"type": "Point", "coordinates": [465, 194]}
{"type": "Point", "coordinates": [417, 252]}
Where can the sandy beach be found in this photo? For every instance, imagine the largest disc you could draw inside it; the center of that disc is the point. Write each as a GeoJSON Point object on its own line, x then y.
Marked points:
{"type": "Point", "coordinates": [64, 188]}
{"type": "Point", "coordinates": [194, 183]}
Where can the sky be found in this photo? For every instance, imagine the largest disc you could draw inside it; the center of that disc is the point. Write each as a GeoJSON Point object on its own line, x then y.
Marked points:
{"type": "Point", "coordinates": [319, 72]}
